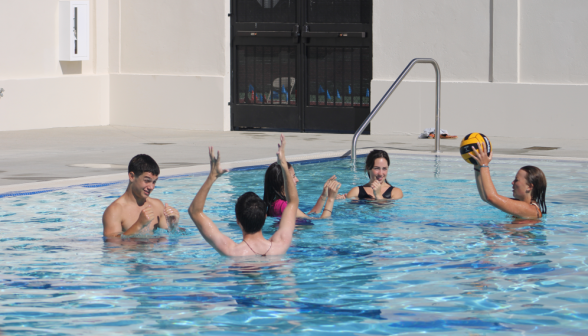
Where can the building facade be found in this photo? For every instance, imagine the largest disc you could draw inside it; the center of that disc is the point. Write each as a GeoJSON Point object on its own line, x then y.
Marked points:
{"type": "Point", "coordinates": [509, 67]}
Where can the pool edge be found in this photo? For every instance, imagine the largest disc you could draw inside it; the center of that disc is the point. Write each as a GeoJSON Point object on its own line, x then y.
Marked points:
{"type": "Point", "coordinates": [111, 179]}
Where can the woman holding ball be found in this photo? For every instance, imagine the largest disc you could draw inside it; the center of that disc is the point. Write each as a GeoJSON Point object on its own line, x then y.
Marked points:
{"type": "Point", "coordinates": [376, 167]}
{"type": "Point", "coordinates": [528, 187]}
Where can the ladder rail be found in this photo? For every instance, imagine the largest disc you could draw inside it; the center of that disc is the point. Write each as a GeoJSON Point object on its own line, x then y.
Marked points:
{"type": "Point", "coordinates": [389, 93]}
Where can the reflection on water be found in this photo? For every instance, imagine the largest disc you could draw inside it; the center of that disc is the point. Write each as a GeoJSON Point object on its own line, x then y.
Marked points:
{"type": "Point", "coordinates": [439, 260]}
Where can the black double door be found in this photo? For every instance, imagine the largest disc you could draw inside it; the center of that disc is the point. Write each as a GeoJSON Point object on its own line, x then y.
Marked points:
{"type": "Point", "coordinates": [300, 65]}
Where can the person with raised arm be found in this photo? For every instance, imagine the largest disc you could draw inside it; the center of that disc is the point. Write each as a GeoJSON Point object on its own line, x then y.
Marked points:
{"type": "Point", "coordinates": [135, 212]}
{"type": "Point", "coordinates": [273, 193]}
{"type": "Point", "coordinates": [528, 188]}
{"type": "Point", "coordinates": [250, 211]}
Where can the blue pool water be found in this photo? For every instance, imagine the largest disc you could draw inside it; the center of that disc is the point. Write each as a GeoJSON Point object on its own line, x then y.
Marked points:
{"type": "Point", "coordinates": [438, 261]}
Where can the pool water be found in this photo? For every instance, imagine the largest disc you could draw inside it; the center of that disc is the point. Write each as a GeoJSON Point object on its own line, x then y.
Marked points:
{"type": "Point", "coordinates": [440, 260]}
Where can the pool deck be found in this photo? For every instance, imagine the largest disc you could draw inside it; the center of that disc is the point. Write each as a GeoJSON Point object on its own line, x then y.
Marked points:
{"type": "Point", "coordinates": [37, 159]}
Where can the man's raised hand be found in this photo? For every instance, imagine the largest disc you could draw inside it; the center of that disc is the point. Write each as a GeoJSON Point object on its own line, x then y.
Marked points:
{"type": "Point", "coordinates": [215, 168]}
{"type": "Point", "coordinates": [146, 216]}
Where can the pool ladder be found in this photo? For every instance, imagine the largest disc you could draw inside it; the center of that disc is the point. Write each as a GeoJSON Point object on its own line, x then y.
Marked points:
{"type": "Point", "coordinates": [389, 93]}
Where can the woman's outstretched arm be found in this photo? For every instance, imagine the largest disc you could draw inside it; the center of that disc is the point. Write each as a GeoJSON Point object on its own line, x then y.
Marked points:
{"type": "Point", "coordinates": [322, 198]}
{"type": "Point", "coordinates": [488, 191]}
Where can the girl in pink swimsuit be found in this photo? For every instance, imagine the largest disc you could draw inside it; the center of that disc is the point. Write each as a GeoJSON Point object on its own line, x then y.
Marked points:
{"type": "Point", "coordinates": [274, 193]}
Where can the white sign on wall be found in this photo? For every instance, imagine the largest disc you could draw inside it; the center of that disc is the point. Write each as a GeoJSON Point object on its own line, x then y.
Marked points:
{"type": "Point", "coordinates": [74, 30]}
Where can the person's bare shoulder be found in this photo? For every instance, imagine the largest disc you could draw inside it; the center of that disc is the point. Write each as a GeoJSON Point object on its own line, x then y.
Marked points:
{"type": "Point", "coordinates": [112, 218]}
{"type": "Point", "coordinates": [115, 208]}
{"type": "Point", "coordinates": [156, 204]}
{"type": "Point", "coordinates": [397, 193]}
{"type": "Point", "coordinates": [353, 192]}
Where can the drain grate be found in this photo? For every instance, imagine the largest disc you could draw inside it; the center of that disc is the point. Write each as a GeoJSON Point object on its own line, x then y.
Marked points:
{"type": "Point", "coordinates": [541, 148]}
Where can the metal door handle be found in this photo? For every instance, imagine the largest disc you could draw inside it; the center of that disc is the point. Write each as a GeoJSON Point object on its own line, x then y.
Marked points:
{"type": "Point", "coordinates": [258, 33]}
{"type": "Point", "coordinates": [307, 33]}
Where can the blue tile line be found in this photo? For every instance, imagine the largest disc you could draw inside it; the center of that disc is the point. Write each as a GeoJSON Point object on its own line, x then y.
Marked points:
{"type": "Point", "coordinates": [106, 184]}
{"type": "Point", "coordinates": [255, 167]}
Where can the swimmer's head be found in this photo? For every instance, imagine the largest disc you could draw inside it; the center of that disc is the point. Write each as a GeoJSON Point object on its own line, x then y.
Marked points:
{"type": "Point", "coordinates": [370, 161]}
{"type": "Point", "coordinates": [143, 173]}
{"type": "Point", "coordinates": [143, 163]}
{"type": "Point", "coordinates": [273, 187]}
{"type": "Point", "coordinates": [251, 212]}
{"type": "Point", "coordinates": [538, 183]}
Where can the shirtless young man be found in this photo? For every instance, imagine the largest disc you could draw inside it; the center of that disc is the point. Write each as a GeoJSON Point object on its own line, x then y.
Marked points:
{"type": "Point", "coordinates": [135, 211]}
{"type": "Point", "coordinates": [251, 212]}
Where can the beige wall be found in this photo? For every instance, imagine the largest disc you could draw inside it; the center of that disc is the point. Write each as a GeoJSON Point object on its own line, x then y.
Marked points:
{"type": "Point", "coordinates": [178, 53]}
{"type": "Point", "coordinates": [454, 32]}
{"type": "Point", "coordinates": [184, 37]}
{"type": "Point", "coordinates": [66, 101]}
{"type": "Point", "coordinates": [506, 63]}
{"type": "Point", "coordinates": [183, 102]}
{"type": "Point", "coordinates": [554, 41]}
{"type": "Point", "coordinates": [173, 61]}
{"type": "Point", "coordinates": [29, 40]}
{"type": "Point", "coordinates": [41, 91]}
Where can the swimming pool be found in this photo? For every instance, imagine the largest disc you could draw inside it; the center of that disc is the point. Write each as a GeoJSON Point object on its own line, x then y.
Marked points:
{"type": "Point", "coordinates": [440, 260]}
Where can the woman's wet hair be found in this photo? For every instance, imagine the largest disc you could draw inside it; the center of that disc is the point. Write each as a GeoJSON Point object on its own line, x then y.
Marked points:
{"type": "Point", "coordinates": [142, 163]}
{"type": "Point", "coordinates": [536, 178]}
{"type": "Point", "coordinates": [273, 187]}
{"type": "Point", "coordinates": [250, 211]}
{"type": "Point", "coordinates": [370, 161]}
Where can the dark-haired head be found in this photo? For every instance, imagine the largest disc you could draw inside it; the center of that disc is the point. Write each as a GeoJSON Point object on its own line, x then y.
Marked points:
{"type": "Point", "coordinates": [370, 161]}
{"type": "Point", "coordinates": [251, 212]}
{"type": "Point", "coordinates": [143, 163]}
{"type": "Point", "coordinates": [536, 178]}
{"type": "Point", "coordinates": [273, 187]}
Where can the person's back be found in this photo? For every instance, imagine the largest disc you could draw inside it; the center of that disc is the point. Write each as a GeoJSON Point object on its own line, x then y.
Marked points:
{"type": "Point", "coordinates": [250, 211]}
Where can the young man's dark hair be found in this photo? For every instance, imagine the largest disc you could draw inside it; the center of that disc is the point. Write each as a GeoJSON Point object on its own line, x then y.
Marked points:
{"type": "Point", "coordinates": [143, 163]}
{"type": "Point", "coordinates": [250, 211]}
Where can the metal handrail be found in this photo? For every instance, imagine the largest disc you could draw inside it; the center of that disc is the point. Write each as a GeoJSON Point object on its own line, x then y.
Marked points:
{"type": "Point", "coordinates": [389, 93]}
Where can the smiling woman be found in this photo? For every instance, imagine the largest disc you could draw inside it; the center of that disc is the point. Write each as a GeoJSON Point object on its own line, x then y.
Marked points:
{"type": "Point", "coordinates": [376, 167]}
{"type": "Point", "coordinates": [528, 188]}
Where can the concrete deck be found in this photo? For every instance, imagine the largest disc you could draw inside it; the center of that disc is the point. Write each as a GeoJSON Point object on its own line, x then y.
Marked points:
{"type": "Point", "coordinates": [30, 157]}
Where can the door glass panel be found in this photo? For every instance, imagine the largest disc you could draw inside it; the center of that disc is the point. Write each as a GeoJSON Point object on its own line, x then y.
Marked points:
{"type": "Point", "coordinates": [283, 11]}
{"type": "Point", "coordinates": [266, 75]}
{"type": "Point", "coordinates": [339, 76]}
{"type": "Point", "coordinates": [339, 11]}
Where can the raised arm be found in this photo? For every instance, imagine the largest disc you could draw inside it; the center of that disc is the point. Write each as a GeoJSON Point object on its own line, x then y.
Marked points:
{"type": "Point", "coordinates": [323, 197]}
{"type": "Point", "coordinates": [488, 191]}
{"type": "Point", "coordinates": [333, 191]}
{"type": "Point", "coordinates": [205, 225]}
{"type": "Point", "coordinates": [284, 234]}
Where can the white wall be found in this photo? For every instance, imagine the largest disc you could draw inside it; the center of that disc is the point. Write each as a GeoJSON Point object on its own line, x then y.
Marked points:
{"type": "Point", "coordinates": [516, 66]}
{"type": "Point", "coordinates": [183, 102]}
{"type": "Point", "coordinates": [554, 41]}
{"type": "Point", "coordinates": [41, 91]}
{"type": "Point", "coordinates": [454, 32]}
{"type": "Point", "coordinates": [172, 61]}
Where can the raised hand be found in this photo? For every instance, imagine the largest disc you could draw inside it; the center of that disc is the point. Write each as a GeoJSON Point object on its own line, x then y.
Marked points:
{"type": "Point", "coordinates": [146, 216]}
{"type": "Point", "coordinates": [215, 168]}
{"type": "Point", "coordinates": [333, 188]}
{"type": "Point", "coordinates": [325, 187]}
{"type": "Point", "coordinates": [171, 214]}
{"type": "Point", "coordinates": [480, 155]}
{"type": "Point", "coordinates": [376, 186]}
{"type": "Point", "coordinates": [281, 154]}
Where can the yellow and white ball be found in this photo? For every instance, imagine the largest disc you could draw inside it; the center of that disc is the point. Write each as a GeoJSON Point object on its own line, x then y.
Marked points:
{"type": "Point", "coordinates": [470, 142]}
